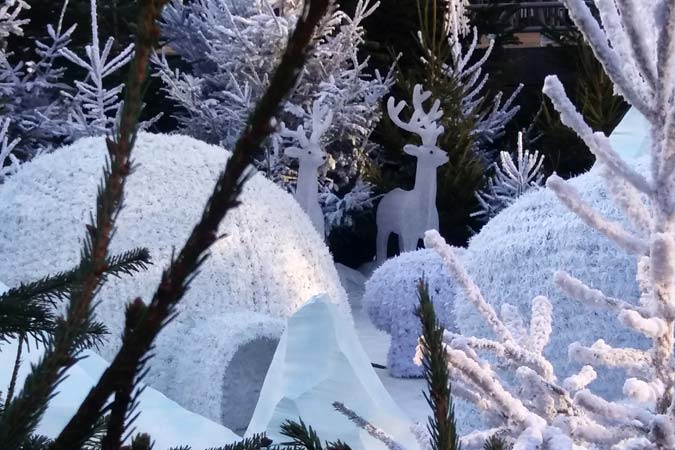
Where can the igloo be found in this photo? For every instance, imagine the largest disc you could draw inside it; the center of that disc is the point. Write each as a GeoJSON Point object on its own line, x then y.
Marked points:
{"type": "Point", "coordinates": [270, 262]}
{"type": "Point", "coordinates": [515, 255]}
{"type": "Point", "coordinates": [390, 299]}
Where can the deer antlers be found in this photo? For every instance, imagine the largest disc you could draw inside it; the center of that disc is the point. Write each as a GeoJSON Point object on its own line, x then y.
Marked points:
{"type": "Point", "coordinates": [421, 123]}
{"type": "Point", "coordinates": [322, 117]}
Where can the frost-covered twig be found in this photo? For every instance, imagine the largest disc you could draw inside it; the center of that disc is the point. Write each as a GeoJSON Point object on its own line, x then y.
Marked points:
{"type": "Point", "coordinates": [371, 429]}
{"type": "Point", "coordinates": [569, 196]}
{"type": "Point", "coordinates": [10, 23]}
{"type": "Point", "coordinates": [571, 416]}
{"type": "Point", "coordinates": [6, 148]}
{"type": "Point", "coordinates": [512, 178]}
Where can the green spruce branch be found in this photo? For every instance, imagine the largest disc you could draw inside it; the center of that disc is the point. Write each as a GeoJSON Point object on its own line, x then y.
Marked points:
{"type": "Point", "coordinates": [305, 437]}
{"type": "Point", "coordinates": [22, 414]}
{"type": "Point", "coordinates": [29, 308]}
{"type": "Point", "coordinates": [442, 426]}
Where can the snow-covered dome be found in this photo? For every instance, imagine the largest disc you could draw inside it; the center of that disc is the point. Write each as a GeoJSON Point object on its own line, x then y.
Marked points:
{"type": "Point", "coordinates": [514, 257]}
{"type": "Point", "coordinates": [390, 298]}
{"type": "Point", "coordinates": [268, 265]}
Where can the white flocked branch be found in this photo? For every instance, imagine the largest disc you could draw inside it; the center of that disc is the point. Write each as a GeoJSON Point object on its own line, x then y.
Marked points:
{"type": "Point", "coordinates": [635, 42]}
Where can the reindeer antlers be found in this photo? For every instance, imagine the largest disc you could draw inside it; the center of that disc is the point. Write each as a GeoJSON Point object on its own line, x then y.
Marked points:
{"type": "Point", "coordinates": [421, 123]}
{"type": "Point", "coordinates": [322, 117]}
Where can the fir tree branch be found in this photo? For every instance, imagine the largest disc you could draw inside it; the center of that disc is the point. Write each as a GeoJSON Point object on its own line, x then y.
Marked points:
{"type": "Point", "coordinates": [94, 441]}
{"type": "Point", "coordinates": [255, 442]}
{"type": "Point", "coordinates": [495, 443]}
{"type": "Point", "coordinates": [141, 441]}
{"type": "Point", "coordinates": [442, 426]}
{"type": "Point", "coordinates": [29, 308]}
{"type": "Point", "coordinates": [124, 390]}
{"type": "Point", "coordinates": [301, 435]}
{"type": "Point", "coordinates": [176, 279]}
{"type": "Point", "coordinates": [17, 366]}
{"type": "Point", "coordinates": [36, 442]}
{"type": "Point", "coordinates": [22, 414]}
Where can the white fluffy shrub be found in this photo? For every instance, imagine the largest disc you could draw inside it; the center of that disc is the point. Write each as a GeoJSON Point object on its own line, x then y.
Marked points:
{"type": "Point", "coordinates": [390, 298]}
{"type": "Point", "coordinates": [269, 263]}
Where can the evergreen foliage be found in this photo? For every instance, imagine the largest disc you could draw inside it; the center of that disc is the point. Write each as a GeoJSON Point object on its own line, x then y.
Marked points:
{"type": "Point", "coordinates": [442, 427]}
{"type": "Point", "coordinates": [495, 443]}
{"type": "Point", "coordinates": [29, 308]}
{"type": "Point", "coordinates": [22, 413]}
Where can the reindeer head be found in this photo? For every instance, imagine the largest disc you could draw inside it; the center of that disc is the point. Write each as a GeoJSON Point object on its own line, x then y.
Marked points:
{"type": "Point", "coordinates": [423, 124]}
{"type": "Point", "coordinates": [429, 154]}
{"type": "Point", "coordinates": [310, 151]}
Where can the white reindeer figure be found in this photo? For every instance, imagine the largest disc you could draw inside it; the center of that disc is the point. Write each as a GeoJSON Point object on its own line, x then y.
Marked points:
{"type": "Point", "coordinates": [310, 158]}
{"type": "Point", "coordinates": [410, 213]}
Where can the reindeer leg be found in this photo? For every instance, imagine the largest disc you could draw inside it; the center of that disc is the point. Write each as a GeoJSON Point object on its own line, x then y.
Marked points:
{"type": "Point", "coordinates": [409, 243]}
{"type": "Point", "coordinates": [382, 238]}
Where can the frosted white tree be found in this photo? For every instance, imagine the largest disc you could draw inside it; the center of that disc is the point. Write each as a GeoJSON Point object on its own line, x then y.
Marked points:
{"type": "Point", "coordinates": [635, 43]}
{"type": "Point", "coordinates": [94, 106]}
{"type": "Point", "coordinates": [30, 91]}
{"type": "Point", "coordinates": [45, 110]}
{"type": "Point", "coordinates": [8, 162]}
{"type": "Point", "coordinates": [512, 178]}
{"type": "Point", "coordinates": [490, 114]}
{"type": "Point", "coordinates": [310, 158]}
{"type": "Point", "coordinates": [232, 47]}
{"type": "Point", "coordinates": [10, 23]}
{"type": "Point", "coordinates": [410, 213]}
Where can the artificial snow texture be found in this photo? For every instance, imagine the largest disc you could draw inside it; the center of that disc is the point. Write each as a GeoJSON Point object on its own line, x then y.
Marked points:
{"type": "Point", "coordinates": [270, 262]}
{"type": "Point", "coordinates": [320, 361]}
{"type": "Point", "coordinates": [512, 260]}
{"type": "Point", "coordinates": [514, 257]}
{"type": "Point", "coordinates": [390, 299]}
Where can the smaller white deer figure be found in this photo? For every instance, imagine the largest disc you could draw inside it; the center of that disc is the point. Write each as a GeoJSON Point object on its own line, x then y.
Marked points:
{"type": "Point", "coordinates": [310, 158]}
{"type": "Point", "coordinates": [410, 213]}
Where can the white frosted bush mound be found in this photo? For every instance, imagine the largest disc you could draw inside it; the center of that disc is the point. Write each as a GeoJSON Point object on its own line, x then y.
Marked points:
{"type": "Point", "coordinates": [515, 255]}
{"type": "Point", "coordinates": [270, 262]}
{"type": "Point", "coordinates": [390, 298]}
{"type": "Point", "coordinates": [513, 259]}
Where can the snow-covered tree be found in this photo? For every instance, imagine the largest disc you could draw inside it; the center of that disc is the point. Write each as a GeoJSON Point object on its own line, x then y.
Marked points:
{"type": "Point", "coordinates": [8, 162]}
{"type": "Point", "coordinates": [30, 91]}
{"type": "Point", "coordinates": [231, 48]}
{"type": "Point", "coordinates": [464, 71]}
{"type": "Point", "coordinates": [94, 106]}
{"type": "Point", "coordinates": [43, 108]}
{"type": "Point", "coordinates": [452, 67]}
{"type": "Point", "coordinates": [634, 42]}
{"type": "Point", "coordinates": [512, 178]}
{"type": "Point", "coordinates": [10, 23]}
